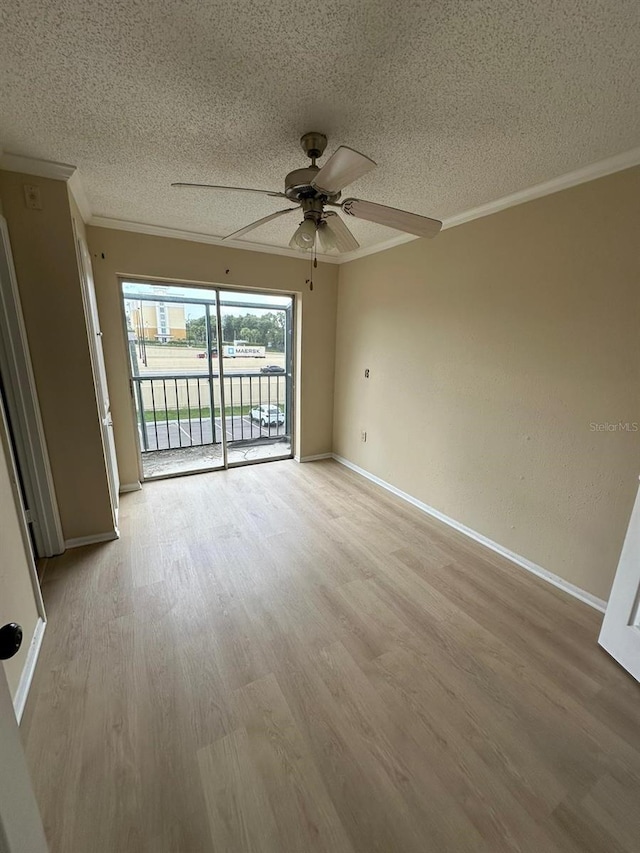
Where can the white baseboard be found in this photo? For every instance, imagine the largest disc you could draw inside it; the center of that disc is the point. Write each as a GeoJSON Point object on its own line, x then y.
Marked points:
{"type": "Point", "coordinates": [315, 458]}
{"type": "Point", "coordinates": [523, 562]}
{"type": "Point", "coordinates": [91, 540]}
{"type": "Point", "coordinates": [130, 487]}
{"type": "Point", "coordinates": [20, 699]}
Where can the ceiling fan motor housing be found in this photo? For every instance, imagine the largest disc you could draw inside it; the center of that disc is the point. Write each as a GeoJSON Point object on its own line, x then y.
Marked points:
{"type": "Point", "coordinates": [297, 186]}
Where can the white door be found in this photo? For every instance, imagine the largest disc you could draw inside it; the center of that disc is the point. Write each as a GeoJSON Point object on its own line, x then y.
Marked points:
{"type": "Point", "coordinates": [20, 598]}
{"type": "Point", "coordinates": [99, 373]}
{"type": "Point", "coordinates": [20, 822]}
{"type": "Point", "coordinates": [620, 634]}
{"type": "Point", "coordinates": [20, 602]}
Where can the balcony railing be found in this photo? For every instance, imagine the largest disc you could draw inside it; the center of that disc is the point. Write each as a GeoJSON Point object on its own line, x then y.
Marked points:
{"type": "Point", "coordinates": [185, 410]}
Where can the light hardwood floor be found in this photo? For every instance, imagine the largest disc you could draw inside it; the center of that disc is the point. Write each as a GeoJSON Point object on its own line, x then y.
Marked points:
{"type": "Point", "coordinates": [287, 659]}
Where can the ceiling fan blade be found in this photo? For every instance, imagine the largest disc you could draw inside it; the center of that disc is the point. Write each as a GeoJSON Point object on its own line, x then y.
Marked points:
{"type": "Point", "coordinates": [343, 167]}
{"type": "Point", "coordinates": [344, 239]}
{"type": "Point", "coordinates": [401, 220]}
{"type": "Point", "coordinates": [258, 223]}
{"type": "Point", "coordinates": [235, 189]}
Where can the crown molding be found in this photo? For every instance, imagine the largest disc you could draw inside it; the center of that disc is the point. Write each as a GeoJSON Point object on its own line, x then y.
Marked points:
{"type": "Point", "coordinates": [76, 189]}
{"type": "Point", "coordinates": [33, 166]}
{"type": "Point", "coordinates": [601, 169]}
{"type": "Point", "coordinates": [197, 237]}
{"type": "Point", "coordinates": [363, 251]}
{"type": "Point", "coordinates": [49, 169]}
{"type": "Point", "coordinates": [65, 172]}
{"type": "Point", "coordinates": [626, 160]}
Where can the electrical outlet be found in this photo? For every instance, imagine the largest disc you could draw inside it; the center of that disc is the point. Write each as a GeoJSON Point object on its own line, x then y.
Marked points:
{"type": "Point", "coordinates": [32, 197]}
{"type": "Point", "coordinates": [363, 435]}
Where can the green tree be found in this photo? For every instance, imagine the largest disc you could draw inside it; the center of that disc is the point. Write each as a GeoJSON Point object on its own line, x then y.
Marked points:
{"type": "Point", "coordinates": [252, 336]}
{"type": "Point", "coordinates": [229, 328]}
{"type": "Point", "coordinates": [262, 329]}
{"type": "Point", "coordinates": [196, 331]}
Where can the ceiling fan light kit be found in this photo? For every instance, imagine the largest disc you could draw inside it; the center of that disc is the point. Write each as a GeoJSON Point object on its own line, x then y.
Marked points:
{"type": "Point", "coordinates": [305, 235]}
{"type": "Point", "coordinates": [314, 188]}
{"type": "Point", "coordinates": [326, 238]}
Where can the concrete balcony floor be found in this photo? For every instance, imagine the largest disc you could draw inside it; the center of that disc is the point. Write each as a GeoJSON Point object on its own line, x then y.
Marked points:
{"type": "Point", "coordinates": [188, 460]}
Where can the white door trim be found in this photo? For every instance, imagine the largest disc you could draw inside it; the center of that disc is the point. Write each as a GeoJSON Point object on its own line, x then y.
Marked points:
{"type": "Point", "coordinates": [24, 409]}
{"type": "Point", "coordinates": [523, 562]}
{"type": "Point", "coordinates": [24, 685]}
{"type": "Point", "coordinates": [620, 634]}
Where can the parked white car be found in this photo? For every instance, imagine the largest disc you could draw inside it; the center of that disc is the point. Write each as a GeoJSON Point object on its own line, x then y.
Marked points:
{"type": "Point", "coordinates": [267, 415]}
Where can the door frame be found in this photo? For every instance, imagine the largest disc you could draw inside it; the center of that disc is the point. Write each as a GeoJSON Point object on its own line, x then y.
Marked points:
{"type": "Point", "coordinates": [290, 349]}
{"type": "Point", "coordinates": [23, 410]}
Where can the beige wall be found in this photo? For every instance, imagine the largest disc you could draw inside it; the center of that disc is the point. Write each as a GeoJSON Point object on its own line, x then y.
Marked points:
{"type": "Point", "coordinates": [492, 349]}
{"type": "Point", "coordinates": [124, 253]}
{"type": "Point", "coordinates": [47, 271]}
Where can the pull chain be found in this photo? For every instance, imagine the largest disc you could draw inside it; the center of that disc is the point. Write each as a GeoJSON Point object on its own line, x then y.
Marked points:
{"type": "Point", "coordinates": [313, 260]}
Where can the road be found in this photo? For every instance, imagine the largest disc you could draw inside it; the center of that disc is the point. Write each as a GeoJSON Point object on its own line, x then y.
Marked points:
{"type": "Point", "coordinates": [182, 360]}
{"type": "Point", "coordinates": [169, 434]}
{"type": "Point", "coordinates": [204, 373]}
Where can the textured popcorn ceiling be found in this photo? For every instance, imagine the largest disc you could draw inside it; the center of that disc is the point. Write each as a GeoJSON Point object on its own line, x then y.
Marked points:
{"type": "Point", "coordinates": [459, 102]}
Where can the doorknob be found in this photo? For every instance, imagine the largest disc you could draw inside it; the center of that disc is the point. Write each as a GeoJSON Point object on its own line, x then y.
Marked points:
{"type": "Point", "coordinates": [10, 640]}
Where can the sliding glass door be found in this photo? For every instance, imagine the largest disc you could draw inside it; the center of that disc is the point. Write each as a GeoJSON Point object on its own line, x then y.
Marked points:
{"type": "Point", "coordinates": [257, 376]}
{"type": "Point", "coordinates": [211, 376]}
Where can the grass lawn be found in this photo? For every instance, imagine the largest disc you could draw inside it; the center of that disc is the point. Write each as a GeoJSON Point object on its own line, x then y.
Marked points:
{"type": "Point", "coordinates": [183, 413]}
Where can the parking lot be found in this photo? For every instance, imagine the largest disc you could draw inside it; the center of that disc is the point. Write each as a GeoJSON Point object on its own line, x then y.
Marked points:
{"type": "Point", "coordinates": [163, 435]}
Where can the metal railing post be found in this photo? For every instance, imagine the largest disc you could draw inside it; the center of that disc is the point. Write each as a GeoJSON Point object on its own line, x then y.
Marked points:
{"type": "Point", "coordinates": [223, 412]}
{"type": "Point", "coordinates": [210, 363]}
{"type": "Point", "coordinates": [143, 422]}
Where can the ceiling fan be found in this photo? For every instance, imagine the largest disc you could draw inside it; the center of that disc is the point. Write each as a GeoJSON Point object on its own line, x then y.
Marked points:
{"type": "Point", "coordinates": [316, 188]}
